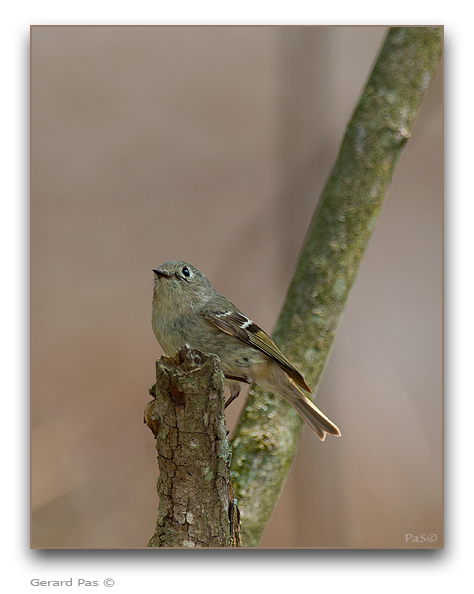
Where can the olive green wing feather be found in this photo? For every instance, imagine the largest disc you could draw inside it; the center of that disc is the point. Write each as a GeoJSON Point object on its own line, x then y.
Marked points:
{"type": "Point", "coordinates": [238, 325]}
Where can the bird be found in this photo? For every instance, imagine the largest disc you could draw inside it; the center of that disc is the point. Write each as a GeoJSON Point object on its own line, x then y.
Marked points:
{"type": "Point", "coordinates": [186, 309]}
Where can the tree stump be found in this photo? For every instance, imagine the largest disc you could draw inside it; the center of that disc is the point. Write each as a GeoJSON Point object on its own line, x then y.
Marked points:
{"type": "Point", "coordinates": [196, 507]}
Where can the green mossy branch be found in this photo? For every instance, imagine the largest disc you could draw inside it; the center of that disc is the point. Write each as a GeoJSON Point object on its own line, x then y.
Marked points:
{"type": "Point", "coordinates": [268, 430]}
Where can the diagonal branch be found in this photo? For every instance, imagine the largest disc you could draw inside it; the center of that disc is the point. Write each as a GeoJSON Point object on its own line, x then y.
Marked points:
{"type": "Point", "coordinates": [268, 431]}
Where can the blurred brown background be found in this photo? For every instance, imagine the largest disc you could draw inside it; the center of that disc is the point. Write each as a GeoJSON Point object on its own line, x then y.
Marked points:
{"type": "Point", "coordinates": [212, 145]}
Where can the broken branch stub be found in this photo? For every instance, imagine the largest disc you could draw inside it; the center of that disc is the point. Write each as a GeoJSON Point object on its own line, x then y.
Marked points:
{"type": "Point", "coordinates": [187, 418]}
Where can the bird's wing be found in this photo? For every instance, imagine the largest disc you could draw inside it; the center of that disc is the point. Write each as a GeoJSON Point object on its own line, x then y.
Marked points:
{"type": "Point", "coordinates": [238, 325]}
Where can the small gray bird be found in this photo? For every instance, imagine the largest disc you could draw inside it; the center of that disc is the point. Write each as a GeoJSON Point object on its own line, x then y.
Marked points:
{"type": "Point", "coordinates": [187, 309]}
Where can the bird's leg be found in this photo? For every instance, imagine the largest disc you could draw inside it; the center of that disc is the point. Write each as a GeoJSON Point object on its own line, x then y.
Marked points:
{"type": "Point", "coordinates": [234, 393]}
{"type": "Point", "coordinates": [234, 386]}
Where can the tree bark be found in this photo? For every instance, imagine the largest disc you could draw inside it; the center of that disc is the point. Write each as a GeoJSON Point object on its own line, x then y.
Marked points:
{"type": "Point", "coordinates": [196, 507]}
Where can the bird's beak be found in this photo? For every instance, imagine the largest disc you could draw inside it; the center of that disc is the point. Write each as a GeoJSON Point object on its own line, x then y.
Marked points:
{"type": "Point", "coordinates": [159, 273]}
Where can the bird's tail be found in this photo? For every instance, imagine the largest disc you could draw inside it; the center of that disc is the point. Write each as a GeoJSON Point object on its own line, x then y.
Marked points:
{"type": "Point", "coordinates": [279, 383]}
{"type": "Point", "coordinates": [317, 420]}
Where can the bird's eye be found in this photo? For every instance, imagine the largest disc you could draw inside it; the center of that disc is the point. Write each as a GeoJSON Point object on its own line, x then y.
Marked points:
{"type": "Point", "coordinates": [186, 272]}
